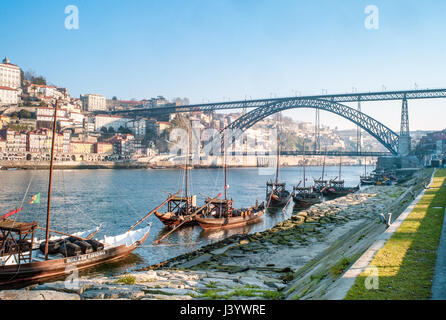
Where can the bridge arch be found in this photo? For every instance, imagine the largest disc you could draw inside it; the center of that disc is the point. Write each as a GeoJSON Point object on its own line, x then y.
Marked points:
{"type": "Point", "coordinates": [379, 131]}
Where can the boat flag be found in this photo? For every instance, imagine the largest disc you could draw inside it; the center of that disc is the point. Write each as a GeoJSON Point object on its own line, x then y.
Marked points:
{"type": "Point", "coordinates": [227, 186]}
{"type": "Point", "coordinates": [35, 199]}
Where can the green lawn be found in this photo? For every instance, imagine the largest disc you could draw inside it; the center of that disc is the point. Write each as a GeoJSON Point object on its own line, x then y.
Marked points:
{"type": "Point", "coordinates": [406, 262]}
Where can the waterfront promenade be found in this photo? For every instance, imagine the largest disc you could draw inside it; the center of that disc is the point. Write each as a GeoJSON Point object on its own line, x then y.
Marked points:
{"type": "Point", "coordinates": [411, 264]}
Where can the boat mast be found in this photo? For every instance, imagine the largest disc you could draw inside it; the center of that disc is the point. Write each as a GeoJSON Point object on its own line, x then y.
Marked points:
{"type": "Point", "coordinates": [365, 165]}
{"type": "Point", "coordinates": [303, 157]}
{"type": "Point", "coordinates": [340, 165]}
{"type": "Point", "coordinates": [186, 173]}
{"type": "Point", "coordinates": [323, 165]}
{"type": "Point", "coordinates": [47, 231]}
{"type": "Point", "coordinates": [278, 160]}
{"type": "Point", "coordinates": [224, 160]}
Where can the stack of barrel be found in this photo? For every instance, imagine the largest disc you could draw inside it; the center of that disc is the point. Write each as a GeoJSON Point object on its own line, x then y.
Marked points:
{"type": "Point", "coordinates": [72, 246]}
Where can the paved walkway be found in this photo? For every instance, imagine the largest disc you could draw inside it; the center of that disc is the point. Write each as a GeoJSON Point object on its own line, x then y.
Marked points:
{"type": "Point", "coordinates": [439, 282]}
{"type": "Point", "coordinates": [343, 285]}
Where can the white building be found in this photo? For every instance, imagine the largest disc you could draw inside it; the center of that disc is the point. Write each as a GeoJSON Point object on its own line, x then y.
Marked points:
{"type": "Point", "coordinates": [77, 118]}
{"type": "Point", "coordinates": [47, 114]}
{"type": "Point", "coordinates": [9, 74]}
{"type": "Point", "coordinates": [8, 95]}
{"type": "Point", "coordinates": [137, 126]}
{"type": "Point", "coordinates": [43, 91]}
{"type": "Point", "coordinates": [107, 121]}
{"type": "Point", "coordinates": [94, 102]}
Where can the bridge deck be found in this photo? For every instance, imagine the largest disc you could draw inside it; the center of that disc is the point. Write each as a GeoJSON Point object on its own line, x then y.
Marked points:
{"type": "Point", "coordinates": [240, 104]}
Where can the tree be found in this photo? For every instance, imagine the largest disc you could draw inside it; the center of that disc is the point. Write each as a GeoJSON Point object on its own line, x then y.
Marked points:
{"type": "Point", "coordinates": [181, 121]}
{"type": "Point", "coordinates": [123, 130]}
{"type": "Point", "coordinates": [40, 80]}
{"type": "Point", "coordinates": [22, 78]}
{"type": "Point", "coordinates": [30, 75]}
{"type": "Point", "coordinates": [25, 114]}
{"type": "Point", "coordinates": [114, 98]}
{"type": "Point", "coordinates": [111, 130]}
{"type": "Point", "coordinates": [104, 129]}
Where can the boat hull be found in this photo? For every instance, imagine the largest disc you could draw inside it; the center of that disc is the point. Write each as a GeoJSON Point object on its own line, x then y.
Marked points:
{"type": "Point", "coordinates": [367, 182]}
{"type": "Point", "coordinates": [41, 270]}
{"type": "Point", "coordinates": [303, 202]}
{"type": "Point", "coordinates": [339, 193]}
{"type": "Point", "coordinates": [231, 222]}
{"type": "Point", "coordinates": [172, 220]}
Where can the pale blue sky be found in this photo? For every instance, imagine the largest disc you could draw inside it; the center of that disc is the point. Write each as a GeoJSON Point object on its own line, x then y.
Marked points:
{"type": "Point", "coordinates": [232, 49]}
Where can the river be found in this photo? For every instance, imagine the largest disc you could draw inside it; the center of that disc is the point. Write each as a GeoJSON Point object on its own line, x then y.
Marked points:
{"type": "Point", "coordinates": [83, 199]}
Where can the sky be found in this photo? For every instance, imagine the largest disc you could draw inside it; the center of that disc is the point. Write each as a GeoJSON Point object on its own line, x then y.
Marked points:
{"type": "Point", "coordinates": [220, 50]}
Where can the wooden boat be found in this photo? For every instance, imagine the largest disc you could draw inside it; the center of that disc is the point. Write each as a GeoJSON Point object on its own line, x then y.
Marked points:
{"type": "Point", "coordinates": [336, 186]}
{"type": "Point", "coordinates": [27, 266]}
{"type": "Point", "coordinates": [220, 214]}
{"type": "Point", "coordinates": [276, 194]}
{"type": "Point", "coordinates": [180, 209]}
{"type": "Point", "coordinates": [304, 197]}
{"type": "Point", "coordinates": [337, 189]}
{"type": "Point", "coordinates": [367, 180]}
{"type": "Point", "coordinates": [21, 261]}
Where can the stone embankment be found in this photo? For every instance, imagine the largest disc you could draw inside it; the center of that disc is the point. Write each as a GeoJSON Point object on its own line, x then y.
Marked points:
{"type": "Point", "coordinates": [299, 258]}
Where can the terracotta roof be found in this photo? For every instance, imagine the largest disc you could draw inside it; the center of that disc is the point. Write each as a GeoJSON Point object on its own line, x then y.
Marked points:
{"type": "Point", "coordinates": [7, 88]}
{"type": "Point", "coordinates": [42, 86]}
{"type": "Point", "coordinates": [10, 65]}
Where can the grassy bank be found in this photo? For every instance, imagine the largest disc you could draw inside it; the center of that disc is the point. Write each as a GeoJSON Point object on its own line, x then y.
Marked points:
{"type": "Point", "coordinates": [406, 262]}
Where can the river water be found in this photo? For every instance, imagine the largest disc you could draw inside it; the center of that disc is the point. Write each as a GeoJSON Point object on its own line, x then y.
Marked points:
{"type": "Point", "coordinates": [83, 199]}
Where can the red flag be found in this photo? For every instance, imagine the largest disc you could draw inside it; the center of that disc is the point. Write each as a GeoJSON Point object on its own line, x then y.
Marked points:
{"type": "Point", "coordinates": [10, 213]}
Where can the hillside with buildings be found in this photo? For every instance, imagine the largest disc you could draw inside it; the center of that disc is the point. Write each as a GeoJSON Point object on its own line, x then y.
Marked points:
{"type": "Point", "coordinates": [87, 133]}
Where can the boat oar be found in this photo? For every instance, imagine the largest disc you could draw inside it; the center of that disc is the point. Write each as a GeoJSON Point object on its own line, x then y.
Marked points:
{"type": "Point", "coordinates": [154, 210]}
{"type": "Point", "coordinates": [204, 195]}
{"type": "Point", "coordinates": [187, 219]}
{"type": "Point", "coordinates": [298, 184]}
{"type": "Point", "coordinates": [288, 202]}
{"type": "Point", "coordinates": [10, 213]}
{"type": "Point", "coordinates": [270, 197]}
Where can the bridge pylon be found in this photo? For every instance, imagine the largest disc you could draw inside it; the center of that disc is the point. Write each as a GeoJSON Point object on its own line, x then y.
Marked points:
{"type": "Point", "coordinates": [404, 138]}
{"type": "Point", "coordinates": [317, 131]}
{"type": "Point", "coordinates": [358, 131]}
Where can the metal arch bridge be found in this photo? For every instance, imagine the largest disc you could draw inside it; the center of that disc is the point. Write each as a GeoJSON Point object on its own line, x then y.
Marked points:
{"type": "Point", "coordinates": [331, 103]}
{"type": "Point", "coordinates": [383, 134]}
{"type": "Point", "coordinates": [248, 104]}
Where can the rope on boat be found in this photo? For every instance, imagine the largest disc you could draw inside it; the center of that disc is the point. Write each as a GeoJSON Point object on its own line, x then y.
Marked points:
{"type": "Point", "coordinates": [82, 212]}
{"type": "Point", "coordinates": [169, 244]}
{"type": "Point", "coordinates": [24, 196]}
{"type": "Point", "coordinates": [125, 200]}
